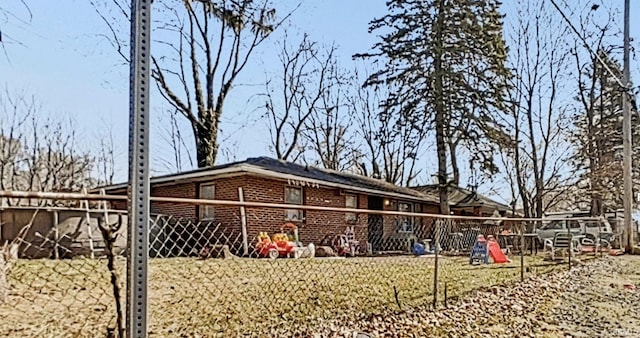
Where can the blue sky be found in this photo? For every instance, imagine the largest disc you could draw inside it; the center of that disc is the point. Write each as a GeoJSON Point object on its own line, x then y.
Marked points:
{"type": "Point", "coordinates": [73, 71]}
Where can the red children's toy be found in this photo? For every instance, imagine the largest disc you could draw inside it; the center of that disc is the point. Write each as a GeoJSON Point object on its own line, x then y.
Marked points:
{"type": "Point", "coordinates": [278, 246]}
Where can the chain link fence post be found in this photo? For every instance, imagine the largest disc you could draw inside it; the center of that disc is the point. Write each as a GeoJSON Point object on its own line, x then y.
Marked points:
{"type": "Point", "coordinates": [522, 230]}
{"type": "Point", "coordinates": [599, 246]}
{"type": "Point", "coordinates": [570, 249]}
{"type": "Point", "coordinates": [436, 251]}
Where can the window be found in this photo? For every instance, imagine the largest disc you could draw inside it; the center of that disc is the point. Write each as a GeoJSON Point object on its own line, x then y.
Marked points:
{"type": "Point", "coordinates": [351, 202]}
{"type": "Point", "coordinates": [593, 224]}
{"type": "Point", "coordinates": [293, 195]}
{"type": "Point", "coordinates": [207, 191]}
{"type": "Point", "coordinates": [554, 225]}
{"type": "Point", "coordinates": [573, 224]}
{"type": "Point", "coordinates": [405, 223]}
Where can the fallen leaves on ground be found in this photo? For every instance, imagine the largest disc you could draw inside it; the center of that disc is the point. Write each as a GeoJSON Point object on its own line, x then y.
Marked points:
{"type": "Point", "coordinates": [576, 303]}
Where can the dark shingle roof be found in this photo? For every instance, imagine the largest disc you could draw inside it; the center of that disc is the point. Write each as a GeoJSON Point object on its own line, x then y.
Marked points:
{"type": "Point", "coordinates": [332, 176]}
{"type": "Point", "coordinates": [460, 197]}
{"type": "Point", "coordinates": [302, 171]}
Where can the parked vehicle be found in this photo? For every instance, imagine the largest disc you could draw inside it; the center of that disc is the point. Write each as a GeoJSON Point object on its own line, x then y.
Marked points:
{"type": "Point", "coordinates": [592, 229]}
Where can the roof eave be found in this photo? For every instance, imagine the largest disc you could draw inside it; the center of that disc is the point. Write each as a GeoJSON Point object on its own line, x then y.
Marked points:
{"type": "Point", "coordinates": [252, 169]}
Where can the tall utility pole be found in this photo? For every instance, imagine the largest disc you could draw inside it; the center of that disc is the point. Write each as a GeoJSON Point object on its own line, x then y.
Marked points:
{"type": "Point", "coordinates": [626, 134]}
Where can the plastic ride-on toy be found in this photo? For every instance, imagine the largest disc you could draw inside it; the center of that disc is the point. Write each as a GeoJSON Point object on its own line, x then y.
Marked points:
{"type": "Point", "coordinates": [479, 252]}
{"type": "Point", "coordinates": [279, 245]}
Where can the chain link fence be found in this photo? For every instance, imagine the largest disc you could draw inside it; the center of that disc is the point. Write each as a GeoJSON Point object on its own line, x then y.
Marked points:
{"type": "Point", "coordinates": [62, 272]}
{"type": "Point", "coordinates": [259, 270]}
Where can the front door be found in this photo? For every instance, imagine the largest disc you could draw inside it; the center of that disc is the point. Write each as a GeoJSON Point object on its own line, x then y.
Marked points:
{"type": "Point", "coordinates": [375, 224]}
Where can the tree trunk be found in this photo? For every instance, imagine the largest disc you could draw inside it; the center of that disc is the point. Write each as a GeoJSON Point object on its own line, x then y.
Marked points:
{"type": "Point", "coordinates": [454, 164]}
{"type": "Point", "coordinates": [522, 189]}
{"type": "Point", "coordinates": [206, 137]}
{"type": "Point", "coordinates": [440, 119]}
{"type": "Point", "coordinates": [595, 145]}
{"type": "Point", "coordinates": [539, 197]}
{"type": "Point", "coordinates": [442, 157]}
{"type": "Point", "coordinates": [538, 175]}
{"type": "Point", "coordinates": [596, 207]}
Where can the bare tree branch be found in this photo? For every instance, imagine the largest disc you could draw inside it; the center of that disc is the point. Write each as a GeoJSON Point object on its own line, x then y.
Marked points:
{"type": "Point", "coordinates": [209, 44]}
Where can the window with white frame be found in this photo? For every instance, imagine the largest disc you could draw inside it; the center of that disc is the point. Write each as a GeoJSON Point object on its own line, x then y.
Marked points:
{"type": "Point", "coordinates": [351, 202]}
{"type": "Point", "coordinates": [207, 191]}
{"type": "Point", "coordinates": [293, 195]}
{"type": "Point", "coordinates": [405, 223]}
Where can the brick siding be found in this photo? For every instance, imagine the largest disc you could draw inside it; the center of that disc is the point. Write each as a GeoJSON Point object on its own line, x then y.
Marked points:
{"type": "Point", "coordinates": [315, 226]}
{"type": "Point", "coordinates": [181, 210]}
{"type": "Point", "coordinates": [182, 190]}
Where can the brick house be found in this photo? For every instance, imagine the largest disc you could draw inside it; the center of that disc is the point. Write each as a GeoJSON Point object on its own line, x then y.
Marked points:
{"type": "Point", "coordinates": [269, 180]}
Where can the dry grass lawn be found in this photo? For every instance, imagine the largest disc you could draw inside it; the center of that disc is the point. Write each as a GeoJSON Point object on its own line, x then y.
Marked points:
{"type": "Point", "coordinates": [216, 297]}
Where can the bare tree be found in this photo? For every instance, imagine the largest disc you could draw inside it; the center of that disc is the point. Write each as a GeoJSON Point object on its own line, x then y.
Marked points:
{"type": "Point", "coordinates": [391, 140]}
{"type": "Point", "coordinates": [204, 46]}
{"type": "Point", "coordinates": [364, 103]}
{"type": "Point", "coordinates": [510, 174]}
{"type": "Point", "coordinates": [9, 16]}
{"type": "Point", "coordinates": [17, 110]}
{"type": "Point", "coordinates": [40, 154]}
{"type": "Point", "coordinates": [55, 162]}
{"type": "Point", "coordinates": [309, 74]}
{"type": "Point", "coordinates": [329, 131]}
{"type": "Point", "coordinates": [105, 160]}
{"type": "Point", "coordinates": [179, 151]}
{"type": "Point", "coordinates": [598, 136]}
{"type": "Point", "coordinates": [539, 117]}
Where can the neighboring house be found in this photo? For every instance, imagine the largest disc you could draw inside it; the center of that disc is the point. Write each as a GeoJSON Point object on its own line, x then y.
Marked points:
{"type": "Point", "coordinates": [269, 180]}
{"type": "Point", "coordinates": [468, 202]}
